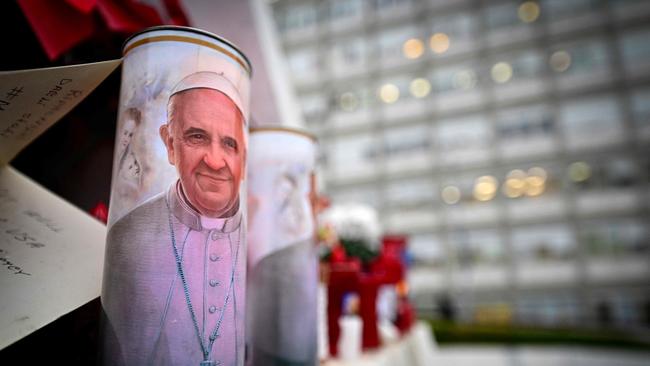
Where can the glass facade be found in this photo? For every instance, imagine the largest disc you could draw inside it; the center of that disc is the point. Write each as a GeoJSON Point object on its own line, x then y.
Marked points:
{"type": "Point", "coordinates": [508, 139]}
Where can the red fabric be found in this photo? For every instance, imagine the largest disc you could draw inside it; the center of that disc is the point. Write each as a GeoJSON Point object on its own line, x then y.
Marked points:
{"type": "Point", "coordinates": [368, 289]}
{"type": "Point", "coordinates": [100, 212]}
{"type": "Point", "coordinates": [127, 16]}
{"type": "Point", "coordinates": [176, 13]}
{"type": "Point", "coordinates": [84, 6]}
{"type": "Point", "coordinates": [388, 268]}
{"type": "Point", "coordinates": [343, 278]}
{"type": "Point", "coordinates": [405, 315]}
{"type": "Point", "coordinates": [57, 25]}
{"type": "Point", "coordinates": [338, 254]}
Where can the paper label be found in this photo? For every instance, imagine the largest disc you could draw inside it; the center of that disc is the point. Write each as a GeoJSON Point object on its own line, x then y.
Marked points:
{"type": "Point", "coordinates": [51, 256]}
{"type": "Point", "coordinates": [33, 100]}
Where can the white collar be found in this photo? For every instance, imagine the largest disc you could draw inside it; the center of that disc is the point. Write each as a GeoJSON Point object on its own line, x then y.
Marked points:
{"type": "Point", "coordinates": [190, 217]}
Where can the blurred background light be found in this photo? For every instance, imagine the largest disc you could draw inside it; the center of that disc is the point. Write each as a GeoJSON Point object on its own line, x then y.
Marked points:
{"type": "Point", "coordinates": [413, 48]}
{"type": "Point", "coordinates": [464, 79]}
{"type": "Point", "coordinates": [579, 171]}
{"type": "Point", "coordinates": [485, 188]}
{"type": "Point", "coordinates": [348, 101]}
{"type": "Point", "coordinates": [501, 72]}
{"type": "Point", "coordinates": [389, 93]}
{"type": "Point", "coordinates": [451, 195]}
{"type": "Point", "coordinates": [528, 11]}
{"type": "Point", "coordinates": [515, 184]}
{"type": "Point", "coordinates": [439, 43]}
{"type": "Point", "coordinates": [420, 87]}
{"type": "Point", "coordinates": [560, 61]}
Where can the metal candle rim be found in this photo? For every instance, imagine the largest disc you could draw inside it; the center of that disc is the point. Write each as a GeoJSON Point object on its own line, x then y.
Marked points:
{"type": "Point", "coordinates": [246, 64]}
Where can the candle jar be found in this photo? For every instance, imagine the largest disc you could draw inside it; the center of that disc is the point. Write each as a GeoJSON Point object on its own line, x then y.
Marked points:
{"type": "Point", "coordinates": [174, 278]}
{"type": "Point", "coordinates": [282, 258]}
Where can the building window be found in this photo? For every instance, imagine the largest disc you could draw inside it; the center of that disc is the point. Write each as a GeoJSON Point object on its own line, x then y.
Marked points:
{"type": "Point", "coordinates": [348, 56]}
{"type": "Point", "coordinates": [526, 131]}
{"type": "Point", "coordinates": [304, 64]}
{"type": "Point", "coordinates": [427, 249]}
{"type": "Point", "coordinates": [635, 49]}
{"type": "Point", "coordinates": [500, 16]}
{"type": "Point", "coordinates": [453, 33]}
{"type": "Point", "coordinates": [313, 105]}
{"type": "Point", "coordinates": [477, 246]}
{"type": "Point", "coordinates": [410, 192]}
{"type": "Point", "coordinates": [298, 18]}
{"type": "Point", "coordinates": [559, 9]}
{"type": "Point", "coordinates": [368, 195]}
{"type": "Point", "coordinates": [615, 237]}
{"type": "Point", "coordinates": [407, 148]}
{"type": "Point", "coordinates": [351, 157]}
{"type": "Point", "coordinates": [342, 10]}
{"type": "Point", "coordinates": [591, 123]}
{"type": "Point", "coordinates": [543, 242]}
{"type": "Point", "coordinates": [588, 59]}
{"type": "Point", "coordinates": [464, 141]}
{"type": "Point", "coordinates": [390, 42]}
{"type": "Point", "coordinates": [641, 112]}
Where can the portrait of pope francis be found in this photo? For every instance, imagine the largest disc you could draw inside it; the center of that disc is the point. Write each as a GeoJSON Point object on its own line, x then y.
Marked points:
{"type": "Point", "coordinates": [173, 289]}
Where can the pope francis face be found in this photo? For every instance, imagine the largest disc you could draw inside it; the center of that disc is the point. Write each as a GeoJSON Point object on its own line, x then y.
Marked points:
{"type": "Point", "coordinates": [205, 142]}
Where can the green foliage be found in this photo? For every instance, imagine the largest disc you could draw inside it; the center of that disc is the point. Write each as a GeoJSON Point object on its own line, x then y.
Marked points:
{"type": "Point", "coordinates": [447, 332]}
{"type": "Point", "coordinates": [358, 249]}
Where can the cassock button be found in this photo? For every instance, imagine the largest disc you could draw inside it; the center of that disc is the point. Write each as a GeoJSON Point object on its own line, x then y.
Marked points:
{"type": "Point", "coordinates": [212, 309]}
{"type": "Point", "coordinates": [215, 235]}
{"type": "Point", "coordinates": [214, 257]}
{"type": "Point", "coordinates": [214, 283]}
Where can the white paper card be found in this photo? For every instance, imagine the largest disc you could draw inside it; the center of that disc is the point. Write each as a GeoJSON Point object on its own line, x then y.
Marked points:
{"type": "Point", "coordinates": [51, 256]}
{"type": "Point", "coordinates": [33, 100]}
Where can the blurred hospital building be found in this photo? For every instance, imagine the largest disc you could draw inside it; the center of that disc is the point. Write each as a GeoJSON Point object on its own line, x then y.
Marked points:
{"type": "Point", "coordinates": [508, 139]}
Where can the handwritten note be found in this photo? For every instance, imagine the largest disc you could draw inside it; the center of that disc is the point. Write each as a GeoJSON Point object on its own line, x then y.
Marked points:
{"type": "Point", "coordinates": [33, 100]}
{"type": "Point", "coordinates": [51, 256]}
